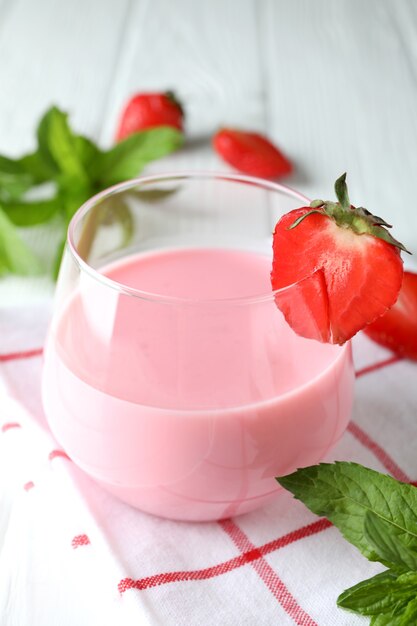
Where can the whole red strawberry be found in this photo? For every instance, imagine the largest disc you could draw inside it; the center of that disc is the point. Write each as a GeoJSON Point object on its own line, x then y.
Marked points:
{"type": "Point", "coordinates": [397, 329]}
{"type": "Point", "coordinates": [342, 268]}
{"type": "Point", "coordinates": [148, 110]}
{"type": "Point", "coordinates": [251, 153]}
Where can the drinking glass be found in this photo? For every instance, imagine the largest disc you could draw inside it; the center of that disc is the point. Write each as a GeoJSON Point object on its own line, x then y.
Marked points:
{"type": "Point", "coordinates": [170, 375]}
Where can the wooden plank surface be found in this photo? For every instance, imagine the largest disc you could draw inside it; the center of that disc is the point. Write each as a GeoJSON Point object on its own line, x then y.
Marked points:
{"type": "Point", "coordinates": [342, 96]}
{"type": "Point", "coordinates": [334, 84]}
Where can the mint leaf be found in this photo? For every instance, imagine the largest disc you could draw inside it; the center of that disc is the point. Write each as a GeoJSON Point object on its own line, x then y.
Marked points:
{"type": "Point", "coordinates": [116, 211]}
{"type": "Point", "coordinates": [391, 543]}
{"type": "Point", "coordinates": [380, 594]}
{"type": "Point", "coordinates": [58, 258]}
{"type": "Point", "coordinates": [403, 615]}
{"type": "Point", "coordinates": [43, 133]}
{"type": "Point", "coordinates": [71, 197]}
{"type": "Point", "coordinates": [17, 176]}
{"type": "Point", "coordinates": [113, 210]}
{"type": "Point", "coordinates": [386, 619]}
{"type": "Point", "coordinates": [87, 151]}
{"type": "Point", "coordinates": [15, 256]}
{"type": "Point", "coordinates": [152, 195]}
{"type": "Point", "coordinates": [74, 169]}
{"type": "Point", "coordinates": [409, 617]}
{"type": "Point", "coordinates": [128, 157]}
{"type": "Point", "coordinates": [378, 515]}
{"type": "Point", "coordinates": [37, 167]}
{"type": "Point", "coordinates": [73, 193]}
{"type": "Point", "coordinates": [59, 146]}
{"type": "Point", "coordinates": [345, 492]}
{"type": "Point", "coordinates": [14, 180]}
{"type": "Point", "coordinates": [10, 166]}
{"type": "Point", "coordinates": [32, 213]}
{"type": "Point", "coordinates": [13, 186]}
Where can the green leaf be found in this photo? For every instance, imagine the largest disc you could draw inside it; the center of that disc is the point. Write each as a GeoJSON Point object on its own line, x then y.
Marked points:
{"type": "Point", "coordinates": [390, 542]}
{"type": "Point", "coordinates": [113, 210]}
{"type": "Point", "coordinates": [116, 211]}
{"type": "Point", "coordinates": [73, 196]}
{"type": "Point", "coordinates": [87, 151]}
{"type": "Point", "coordinates": [386, 619]}
{"type": "Point", "coordinates": [75, 168]}
{"type": "Point", "coordinates": [409, 617]}
{"type": "Point", "coordinates": [381, 594]}
{"type": "Point", "coordinates": [58, 258]}
{"type": "Point", "coordinates": [404, 615]}
{"type": "Point", "coordinates": [14, 186]}
{"type": "Point", "coordinates": [32, 213]}
{"type": "Point", "coordinates": [37, 167]}
{"type": "Point", "coordinates": [10, 166]}
{"type": "Point", "coordinates": [59, 146]}
{"type": "Point", "coordinates": [40, 166]}
{"type": "Point", "coordinates": [17, 176]}
{"type": "Point", "coordinates": [128, 157]}
{"type": "Point", "coordinates": [152, 195]}
{"type": "Point", "coordinates": [345, 492]}
{"type": "Point", "coordinates": [14, 180]}
{"type": "Point", "coordinates": [15, 256]}
{"type": "Point", "coordinates": [43, 132]}
{"type": "Point", "coordinates": [341, 190]}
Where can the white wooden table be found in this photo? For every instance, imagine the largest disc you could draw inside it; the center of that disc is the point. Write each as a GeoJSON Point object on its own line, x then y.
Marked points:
{"type": "Point", "coordinates": [333, 83]}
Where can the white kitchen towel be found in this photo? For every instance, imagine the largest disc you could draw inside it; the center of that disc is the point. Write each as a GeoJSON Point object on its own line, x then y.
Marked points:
{"type": "Point", "coordinates": [72, 555]}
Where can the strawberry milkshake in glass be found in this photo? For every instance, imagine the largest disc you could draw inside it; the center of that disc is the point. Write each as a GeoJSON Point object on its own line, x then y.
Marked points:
{"type": "Point", "coordinates": [170, 375]}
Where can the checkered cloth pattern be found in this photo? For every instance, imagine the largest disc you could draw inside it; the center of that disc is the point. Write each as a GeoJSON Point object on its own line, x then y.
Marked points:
{"type": "Point", "coordinates": [72, 555]}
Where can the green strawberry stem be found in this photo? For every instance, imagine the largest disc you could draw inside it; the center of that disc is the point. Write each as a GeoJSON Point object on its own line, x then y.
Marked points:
{"type": "Point", "coordinates": [357, 219]}
{"type": "Point", "coordinates": [341, 190]}
{"type": "Point", "coordinates": [171, 95]}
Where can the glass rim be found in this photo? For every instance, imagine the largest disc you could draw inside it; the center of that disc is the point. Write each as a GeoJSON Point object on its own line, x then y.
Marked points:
{"type": "Point", "coordinates": [85, 267]}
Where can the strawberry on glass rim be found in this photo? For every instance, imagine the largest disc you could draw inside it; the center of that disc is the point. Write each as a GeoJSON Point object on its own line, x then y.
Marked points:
{"type": "Point", "coordinates": [344, 267]}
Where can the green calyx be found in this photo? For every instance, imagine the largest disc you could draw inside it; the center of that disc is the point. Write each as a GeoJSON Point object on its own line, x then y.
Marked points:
{"type": "Point", "coordinates": [357, 219]}
{"type": "Point", "coordinates": [171, 95]}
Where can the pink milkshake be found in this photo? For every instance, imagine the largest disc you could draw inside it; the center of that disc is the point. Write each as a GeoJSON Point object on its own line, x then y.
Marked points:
{"type": "Point", "coordinates": [188, 402]}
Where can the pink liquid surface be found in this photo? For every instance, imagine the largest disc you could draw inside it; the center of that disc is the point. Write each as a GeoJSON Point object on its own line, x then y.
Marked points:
{"type": "Point", "coordinates": [189, 409]}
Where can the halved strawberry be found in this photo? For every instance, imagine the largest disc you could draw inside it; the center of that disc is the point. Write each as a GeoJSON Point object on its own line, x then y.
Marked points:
{"type": "Point", "coordinates": [345, 268]}
{"type": "Point", "coordinates": [397, 329]}
{"type": "Point", "coordinates": [251, 153]}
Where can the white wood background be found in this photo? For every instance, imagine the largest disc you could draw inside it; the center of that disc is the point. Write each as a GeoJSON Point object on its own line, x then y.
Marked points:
{"type": "Point", "coordinates": [334, 83]}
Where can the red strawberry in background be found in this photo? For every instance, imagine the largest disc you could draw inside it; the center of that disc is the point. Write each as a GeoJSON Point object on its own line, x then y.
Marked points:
{"type": "Point", "coordinates": [251, 153]}
{"type": "Point", "coordinates": [345, 268]}
{"type": "Point", "coordinates": [397, 329]}
{"type": "Point", "coordinates": [148, 110]}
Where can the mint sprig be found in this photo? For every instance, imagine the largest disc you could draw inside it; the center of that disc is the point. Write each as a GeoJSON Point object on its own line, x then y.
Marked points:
{"type": "Point", "coordinates": [15, 256]}
{"type": "Point", "coordinates": [382, 594]}
{"type": "Point", "coordinates": [378, 515]}
{"type": "Point", "coordinates": [63, 172]}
